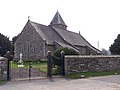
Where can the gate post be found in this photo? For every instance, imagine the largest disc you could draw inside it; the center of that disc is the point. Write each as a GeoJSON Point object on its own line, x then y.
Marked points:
{"type": "Point", "coordinates": [62, 63]}
{"type": "Point", "coordinates": [49, 64]}
{"type": "Point", "coordinates": [9, 57]}
{"type": "Point", "coordinates": [8, 70]}
{"type": "Point", "coordinates": [29, 69]}
{"type": "Point", "coordinates": [4, 68]}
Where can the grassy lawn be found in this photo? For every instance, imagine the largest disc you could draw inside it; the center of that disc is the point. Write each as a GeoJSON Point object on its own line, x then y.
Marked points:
{"type": "Point", "coordinates": [42, 66]}
{"type": "Point", "coordinates": [91, 74]}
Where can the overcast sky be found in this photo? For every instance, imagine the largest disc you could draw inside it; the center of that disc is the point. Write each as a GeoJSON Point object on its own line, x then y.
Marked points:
{"type": "Point", "coordinates": [97, 20]}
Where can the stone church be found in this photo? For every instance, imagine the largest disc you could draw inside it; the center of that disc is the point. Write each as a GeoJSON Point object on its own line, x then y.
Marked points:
{"type": "Point", "coordinates": [36, 39]}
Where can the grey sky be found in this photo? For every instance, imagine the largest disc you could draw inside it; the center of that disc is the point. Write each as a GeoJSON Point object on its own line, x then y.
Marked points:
{"type": "Point", "coordinates": [97, 20]}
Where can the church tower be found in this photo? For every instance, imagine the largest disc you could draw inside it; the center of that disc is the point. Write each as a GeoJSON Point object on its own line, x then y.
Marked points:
{"type": "Point", "coordinates": [58, 22]}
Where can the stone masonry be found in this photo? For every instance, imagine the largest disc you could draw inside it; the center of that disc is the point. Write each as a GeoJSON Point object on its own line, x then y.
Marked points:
{"type": "Point", "coordinates": [3, 68]}
{"type": "Point", "coordinates": [30, 44]}
{"type": "Point", "coordinates": [92, 63]}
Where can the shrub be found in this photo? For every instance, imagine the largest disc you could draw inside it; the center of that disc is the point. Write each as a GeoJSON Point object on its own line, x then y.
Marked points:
{"type": "Point", "coordinates": [57, 54]}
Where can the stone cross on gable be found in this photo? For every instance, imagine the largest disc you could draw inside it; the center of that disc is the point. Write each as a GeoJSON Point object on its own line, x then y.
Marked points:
{"type": "Point", "coordinates": [28, 17]}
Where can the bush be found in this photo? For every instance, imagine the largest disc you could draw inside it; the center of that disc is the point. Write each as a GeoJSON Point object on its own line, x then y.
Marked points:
{"type": "Point", "coordinates": [56, 55]}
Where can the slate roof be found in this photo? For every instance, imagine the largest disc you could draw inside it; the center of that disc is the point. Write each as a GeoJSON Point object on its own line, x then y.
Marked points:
{"type": "Point", "coordinates": [57, 19]}
{"type": "Point", "coordinates": [65, 45]}
{"type": "Point", "coordinates": [74, 38]}
{"type": "Point", "coordinates": [46, 32]}
{"type": "Point", "coordinates": [52, 34]}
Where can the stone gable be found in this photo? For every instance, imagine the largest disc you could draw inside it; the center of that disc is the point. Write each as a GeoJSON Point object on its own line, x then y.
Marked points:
{"type": "Point", "coordinates": [30, 44]}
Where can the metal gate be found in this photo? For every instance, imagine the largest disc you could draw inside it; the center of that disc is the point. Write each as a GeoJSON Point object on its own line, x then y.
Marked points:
{"type": "Point", "coordinates": [34, 69]}
{"type": "Point", "coordinates": [28, 70]}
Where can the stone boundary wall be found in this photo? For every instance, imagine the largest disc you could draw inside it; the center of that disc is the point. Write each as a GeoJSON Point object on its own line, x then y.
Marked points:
{"type": "Point", "coordinates": [3, 68]}
{"type": "Point", "coordinates": [92, 63]}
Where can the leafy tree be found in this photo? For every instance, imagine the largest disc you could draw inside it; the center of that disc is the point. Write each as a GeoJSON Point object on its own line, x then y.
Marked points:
{"type": "Point", "coordinates": [5, 45]}
{"type": "Point", "coordinates": [115, 47]}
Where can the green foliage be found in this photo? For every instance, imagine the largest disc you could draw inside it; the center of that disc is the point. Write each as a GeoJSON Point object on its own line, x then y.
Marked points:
{"type": "Point", "coordinates": [5, 45]}
{"type": "Point", "coordinates": [57, 54]}
{"type": "Point", "coordinates": [91, 74]}
{"type": "Point", "coordinates": [115, 47]}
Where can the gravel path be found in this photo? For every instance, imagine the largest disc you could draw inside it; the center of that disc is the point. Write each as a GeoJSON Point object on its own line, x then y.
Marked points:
{"type": "Point", "coordinates": [97, 83]}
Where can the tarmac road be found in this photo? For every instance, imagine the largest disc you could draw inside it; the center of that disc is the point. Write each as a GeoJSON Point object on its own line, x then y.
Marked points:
{"type": "Point", "coordinates": [96, 83]}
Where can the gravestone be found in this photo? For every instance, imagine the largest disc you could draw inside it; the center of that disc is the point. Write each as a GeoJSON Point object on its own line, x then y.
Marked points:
{"type": "Point", "coordinates": [21, 61]}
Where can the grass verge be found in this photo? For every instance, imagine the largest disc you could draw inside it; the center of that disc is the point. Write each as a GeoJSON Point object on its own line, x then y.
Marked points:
{"type": "Point", "coordinates": [2, 82]}
{"type": "Point", "coordinates": [91, 74]}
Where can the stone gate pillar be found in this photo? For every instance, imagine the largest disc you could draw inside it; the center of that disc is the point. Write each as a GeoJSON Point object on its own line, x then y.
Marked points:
{"type": "Point", "coordinates": [62, 63]}
{"type": "Point", "coordinates": [4, 74]}
{"type": "Point", "coordinates": [49, 64]}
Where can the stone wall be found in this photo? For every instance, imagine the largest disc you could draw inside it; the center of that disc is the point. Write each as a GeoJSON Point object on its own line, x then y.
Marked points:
{"type": "Point", "coordinates": [3, 68]}
{"type": "Point", "coordinates": [92, 63]}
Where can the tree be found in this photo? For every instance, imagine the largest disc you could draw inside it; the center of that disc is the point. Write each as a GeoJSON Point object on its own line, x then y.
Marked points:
{"type": "Point", "coordinates": [5, 45]}
{"type": "Point", "coordinates": [115, 47]}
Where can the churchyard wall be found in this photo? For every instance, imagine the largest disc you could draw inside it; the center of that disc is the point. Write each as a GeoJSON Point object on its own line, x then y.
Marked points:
{"type": "Point", "coordinates": [3, 68]}
{"type": "Point", "coordinates": [91, 63]}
